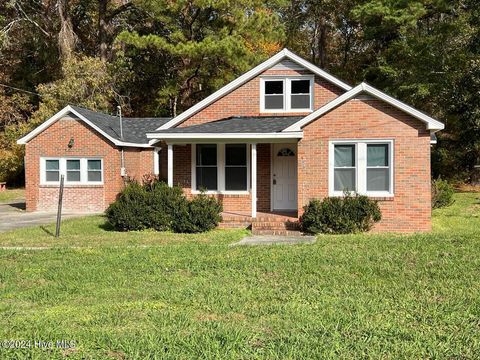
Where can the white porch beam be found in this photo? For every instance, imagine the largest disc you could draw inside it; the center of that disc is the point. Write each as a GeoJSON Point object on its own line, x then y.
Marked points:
{"type": "Point", "coordinates": [254, 180]}
{"type": "Point", "coordinates": [170, 164]}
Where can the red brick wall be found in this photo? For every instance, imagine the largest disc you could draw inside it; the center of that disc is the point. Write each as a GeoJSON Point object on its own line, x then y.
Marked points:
{"type": "Point", "coordinates": [245, 100]}
{"type": "Point", "coordinates": [410, 209]}
{"type": "Point", "coordinates": [87, 143]}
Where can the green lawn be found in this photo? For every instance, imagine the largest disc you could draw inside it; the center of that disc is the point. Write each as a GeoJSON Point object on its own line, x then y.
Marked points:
{"type": "Point", "coordinates": [166, 296]}
{"type": "Point", "coordinates": [11, 194]}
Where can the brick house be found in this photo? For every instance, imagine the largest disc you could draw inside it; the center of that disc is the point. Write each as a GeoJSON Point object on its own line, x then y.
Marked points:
{"type": "Point", "coordinates": [279, 135]}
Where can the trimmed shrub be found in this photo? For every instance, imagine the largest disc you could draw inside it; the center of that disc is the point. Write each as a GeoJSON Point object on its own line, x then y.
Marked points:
{"type": "Point", "coordinates": [204, 213]}
{"type": "Point", "coordinates": [157, 206]}
{"type": "Point", "coordinates": [442, 193]}
{"type": "Point", "coordinates": [168, 206]}
{"type": "Point", "coordinates": [127, 213]}
{"type": "Point", "coordinates": [340, 215]}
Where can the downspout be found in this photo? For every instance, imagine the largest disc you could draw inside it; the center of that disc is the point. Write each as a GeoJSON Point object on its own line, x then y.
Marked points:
{"type": "Point", "coordinates": [123, 172]}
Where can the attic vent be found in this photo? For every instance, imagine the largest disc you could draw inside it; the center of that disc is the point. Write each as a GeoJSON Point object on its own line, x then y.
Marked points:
{"type": "Point", "coordinates": [287, 65]}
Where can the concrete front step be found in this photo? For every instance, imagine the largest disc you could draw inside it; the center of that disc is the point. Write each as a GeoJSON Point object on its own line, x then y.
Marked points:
{"type": "Point", "coordinates": [276, 232]}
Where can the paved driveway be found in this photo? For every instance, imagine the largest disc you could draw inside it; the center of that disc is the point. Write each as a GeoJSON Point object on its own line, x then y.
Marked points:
{"type": "Point", "coordinates": [14, 216]}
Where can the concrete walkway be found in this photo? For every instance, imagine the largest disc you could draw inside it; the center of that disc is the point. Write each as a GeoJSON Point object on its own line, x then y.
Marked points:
{"type": "Point", "coordinates": [13, 216]}
{"type": "Point", "coordinates": [275, 240]}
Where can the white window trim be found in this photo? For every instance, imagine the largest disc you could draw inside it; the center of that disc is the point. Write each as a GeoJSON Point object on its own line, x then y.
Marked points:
{"type": "Point", "coordinates": [220, 172]}
{"type": "Point", "coordinates": [361, 166]}
{"type": "Point", "coordinates": [63, 171]}
{"type": "Point", "coordinates": [287, 87]}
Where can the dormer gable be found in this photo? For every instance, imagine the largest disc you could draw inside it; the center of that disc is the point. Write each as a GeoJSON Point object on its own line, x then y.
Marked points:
{"type": "Point", "coordinates": [292, 97]}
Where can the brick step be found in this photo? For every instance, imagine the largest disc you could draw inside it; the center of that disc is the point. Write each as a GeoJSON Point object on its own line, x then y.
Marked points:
{"type": "Point", "coordinates": [276, 232]}
{"type": "Point", "coordinates": [277, 225]}
{"type": "Point", "coordinates": [234, 225]}
{"type": "Point", "coordinates": [275, 219]}
{"type": "Point", "coordinates": [236, 219]}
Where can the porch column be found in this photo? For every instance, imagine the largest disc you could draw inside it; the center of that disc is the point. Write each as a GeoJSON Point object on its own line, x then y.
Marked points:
{"type": "Point", "coordinates": [254, 180]}
{"type": "Point", "coordinates": [170, 164]}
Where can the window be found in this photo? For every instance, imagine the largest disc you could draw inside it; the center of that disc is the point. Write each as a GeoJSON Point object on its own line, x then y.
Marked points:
{"type": "Point", "coordinates": [344, 168]}
{"type": "Point", "coordinates": [363, 166]}
{"type": "Point", "coordinates": [378, 172]}
{"type": "Point", "coordinates": [274, 95]}
{"type": "Point", "coordinates": [236, 167]}
{"type": "Point", "coordinates": [73, 170]}
{"type": "Point", "coordinates": [52, 170]}
{"type": "Point", "coordinates": [76, 171]}
{"type": "Point", "coordinates": [300, 94]}
{"type": "Point", "coordinates": [286, 94]}
{"type": "Point", "coordinates": [206, 167]}
{"type": "Point", "coordinates": [221, 168]}
{"type": "Point", "coordinates": [94, 170]}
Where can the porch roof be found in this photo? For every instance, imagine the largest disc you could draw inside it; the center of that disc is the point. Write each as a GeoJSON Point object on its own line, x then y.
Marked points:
{"type": "Point", "coordinates": [234, 127]}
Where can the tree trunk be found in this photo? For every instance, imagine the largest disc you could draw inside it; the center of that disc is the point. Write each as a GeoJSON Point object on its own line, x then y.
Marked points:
{"type": "Point", "coordinates": [67, 38]}
{"type": "Point", "coordinates": [102, 29]}
{"type": "Point", "coordinates": [322, 43]}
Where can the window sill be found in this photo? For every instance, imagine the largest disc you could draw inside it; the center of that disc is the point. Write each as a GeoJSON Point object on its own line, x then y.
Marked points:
{"type": "Point", "coordinates": [57, 185]}
{"type": "Point", "coordinates": [281, 111]}
{"type": "Point", "coordinates": [196, 192]}
{"type": "Point", "coordinates": [377, 197]}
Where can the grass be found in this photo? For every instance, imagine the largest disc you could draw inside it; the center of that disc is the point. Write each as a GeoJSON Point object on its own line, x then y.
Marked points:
{"type": "Point", "coordinates": [11, 194]}
{"type": "Point", "coordinates": [166, 296]}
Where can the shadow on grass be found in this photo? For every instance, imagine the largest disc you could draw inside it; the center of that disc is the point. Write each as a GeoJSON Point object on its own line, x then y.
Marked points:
{"type": "Point", "coordinates": [47, 231]}
{"type": "Point", "coordinates": [106, 226]}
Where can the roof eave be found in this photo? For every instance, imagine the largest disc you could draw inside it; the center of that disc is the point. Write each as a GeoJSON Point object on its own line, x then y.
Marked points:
{"type": "Point", "coordinates": [431, 123]}
{"type": "Point", "coordinates": [66, 110]}
{"type": "Point", "coordinates": [223, 136]}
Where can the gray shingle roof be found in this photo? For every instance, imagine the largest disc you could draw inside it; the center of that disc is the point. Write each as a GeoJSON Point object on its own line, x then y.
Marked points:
{"type": "Point", "coordinates": [239, 124]}
{"type": "Point", "coordinates": [134, 129]}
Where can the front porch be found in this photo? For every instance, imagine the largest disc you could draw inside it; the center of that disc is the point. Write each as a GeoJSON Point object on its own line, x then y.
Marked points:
{"type": "Point", "coordinates": [251, 180]}
{"type": "Point", "coordinates": [248, 163]}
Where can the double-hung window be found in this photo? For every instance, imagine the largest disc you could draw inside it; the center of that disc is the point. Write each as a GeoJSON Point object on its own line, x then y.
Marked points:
{"type": "Point", "coordinates": [287, 94]}
{"type": "Point", "coordinates": [77, 171]}
{"type": "Point", "coordinates": [52, 170]}
{"type": "Point", "coordinates": [206, 167]}
{"type": "Point", "coordinates": [94, 170]}
{"type": "Point", "coordinates": [236, 167]}
{"type": "Point", "coordinates": [73, 170]}
{"type": "Point", "coordinates": [364, 167]}
{"type": "Point", "coordinates": [274, 94]}
{"type": "Point", "coordinates": [345, 170]}
{"type": "Point", "coordinates": [378, 168]}
{"type": "Point", "coordinates": [220, 167]}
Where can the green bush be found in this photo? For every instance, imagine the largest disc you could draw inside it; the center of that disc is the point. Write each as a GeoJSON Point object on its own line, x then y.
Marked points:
{"type": "Point", "coordinates": [168, 206]}
{"type": "Point", "coordinates": [340, 215]}
{"type": "Point", "coordinates": [442, 193]}
{"type": "Point", "coordinates": [157, 206]}
{"type": "Point", "coordinates": [128, 212]}
{"type": "Point", "coordinates": [204, 213]}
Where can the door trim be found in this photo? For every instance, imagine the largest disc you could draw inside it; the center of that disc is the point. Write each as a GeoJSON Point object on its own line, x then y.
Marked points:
{"type": "Point", "coordinates": [272, 190]}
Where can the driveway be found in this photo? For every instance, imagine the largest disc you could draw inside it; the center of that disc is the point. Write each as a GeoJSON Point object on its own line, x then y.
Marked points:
{"type": "Point", "coordinates": [14, 216]}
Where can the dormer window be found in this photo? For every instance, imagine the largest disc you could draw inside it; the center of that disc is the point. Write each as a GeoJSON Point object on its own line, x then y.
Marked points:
{"type": "Point", "coordinates": [288, 94]}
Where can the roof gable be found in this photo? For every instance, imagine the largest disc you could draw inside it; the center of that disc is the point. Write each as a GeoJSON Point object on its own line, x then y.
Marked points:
{"type": "Point", "coordinates": [134, 129]}
{"type": "Point", "coordinates": [279, 58]}
{"type": "Point", "coordinates": [431, 123]}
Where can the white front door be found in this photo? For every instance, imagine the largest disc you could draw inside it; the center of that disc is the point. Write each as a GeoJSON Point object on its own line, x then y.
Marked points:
{"type": "Point", "coordinates": [284, 177]}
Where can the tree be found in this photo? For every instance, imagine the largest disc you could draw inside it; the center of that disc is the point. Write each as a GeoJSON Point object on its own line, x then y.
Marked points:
{"type": "Point", "coordinates": [205, 43]}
